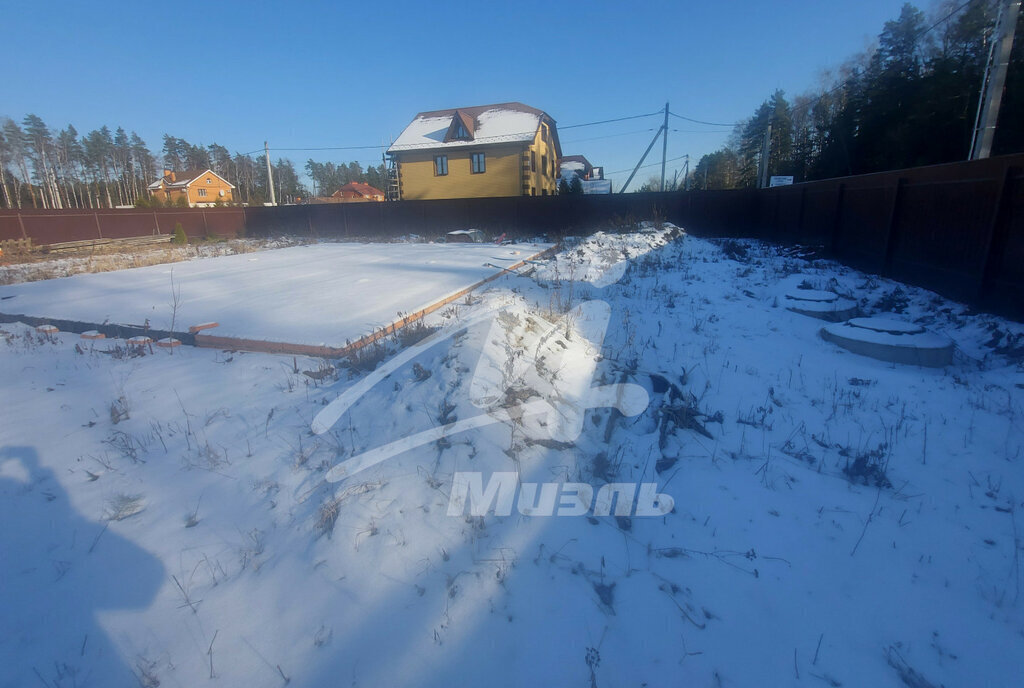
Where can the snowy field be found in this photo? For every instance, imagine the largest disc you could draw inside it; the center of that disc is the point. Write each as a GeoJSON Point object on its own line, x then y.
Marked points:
{"type": "Point", "coordinates": [838, 521]}
{"type": "Point", "coordinates": [325, 293]}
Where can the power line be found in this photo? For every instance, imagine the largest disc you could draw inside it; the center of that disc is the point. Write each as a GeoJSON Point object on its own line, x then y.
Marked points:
{"type": "Point", "coordinates": [611, 136]}
{"type": "Point", "coordinates": [329, 148]}
{"type": "Point", "coordinates": [700, 131]}
{"type": "Point", "coordinates": [946, 18]}
{"type": "Point", "coordinates": [698, 121]}
{"type": "Point", "coordinates": [608, 121]}
{"type": "Point", "coordinates": [650, 164]}
{"type": "Point", "coordinates": [843, 84]}
{"type": "Point", "coordinates": [521, 133]}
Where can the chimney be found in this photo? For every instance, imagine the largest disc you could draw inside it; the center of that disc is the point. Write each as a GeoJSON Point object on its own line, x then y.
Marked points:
{"type": "Point", "coordinates": [169, 173]}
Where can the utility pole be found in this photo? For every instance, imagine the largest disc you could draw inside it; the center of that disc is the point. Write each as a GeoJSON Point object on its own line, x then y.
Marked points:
{"type": "Point", "coordinates": [664, 148]}
{"type": "Point", "coordinates": [995, 80]}
{"type": "Point", "coordinates": [270, 175]}
{"type": "Point", "coordinates": [766, 150]}
{"type": "Point", "coordinates": [644, 157]}
{"type": "Point", "coordinates": [686, 173]}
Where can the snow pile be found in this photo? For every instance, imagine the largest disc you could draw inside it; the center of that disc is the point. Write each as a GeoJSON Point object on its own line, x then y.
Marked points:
{"type": "Point", "coordinates": [601, 259]}
{"type": "Point", "coordinates": [838, 520]}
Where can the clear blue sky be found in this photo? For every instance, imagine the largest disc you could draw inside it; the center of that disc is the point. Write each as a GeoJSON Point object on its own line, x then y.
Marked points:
{"type": "Point", "coordinates": [319, 74]}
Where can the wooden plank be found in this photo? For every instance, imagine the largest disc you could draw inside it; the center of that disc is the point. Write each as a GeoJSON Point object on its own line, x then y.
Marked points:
{"type": "Point", "coordinates": [94, 243]}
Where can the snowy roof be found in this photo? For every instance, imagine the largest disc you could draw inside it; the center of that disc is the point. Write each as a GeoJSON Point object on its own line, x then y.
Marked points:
{"type": "Point", "coordinates": [484, 124]}
{"type": "Point", "coordinates": [569, 165]}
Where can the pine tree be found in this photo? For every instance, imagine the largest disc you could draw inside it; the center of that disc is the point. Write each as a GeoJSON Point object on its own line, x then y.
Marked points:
{"type": "Point", "coordinates": [179, 235]}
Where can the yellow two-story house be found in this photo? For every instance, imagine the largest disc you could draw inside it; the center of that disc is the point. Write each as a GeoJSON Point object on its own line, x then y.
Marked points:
{"type": "Point", "coordinates": [508, 149]}
{"type": "Point", "coordinates": [196, 187]}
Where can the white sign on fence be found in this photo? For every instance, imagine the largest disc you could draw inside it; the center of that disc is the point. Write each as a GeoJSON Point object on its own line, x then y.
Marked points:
{"type": "Point", "coordinates": [779, 180]}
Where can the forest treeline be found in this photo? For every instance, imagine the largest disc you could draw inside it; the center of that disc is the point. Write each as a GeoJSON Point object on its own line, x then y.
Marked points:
{"type": "Point", "coordinates": [910, 101]}
{"type": "Point", "coordinates": [43, 168]}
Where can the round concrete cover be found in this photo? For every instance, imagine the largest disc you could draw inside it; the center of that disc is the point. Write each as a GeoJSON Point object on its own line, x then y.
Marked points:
{"type": "Point", "coordinates": [824, 305]}
{"type": "Point", "coordinates": [812, 295]}
{"type": "Point", "coordinates": [892, 340]}
{"type": "Point", "coordinates": [886, 324]}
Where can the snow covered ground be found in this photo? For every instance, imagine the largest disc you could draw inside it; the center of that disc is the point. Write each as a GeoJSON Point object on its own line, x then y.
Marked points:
{"type": "Point", "coordinates": [838, 521]}
{"type": "Point", "coordinates": [326, 293]}
{"type": "Point", "coordinates": [52, 266]}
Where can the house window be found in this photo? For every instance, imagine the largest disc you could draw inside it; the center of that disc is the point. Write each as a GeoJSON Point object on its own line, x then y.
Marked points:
{"type": "Point", "coordinates": [543, 192]}
{"type": "Point", "coordinates": [440, 165]}
{"type": "Point", "coordinates": [533, 161]}
{"type": "Point", "coordinates": [533, 191]}
{"type": "Point", "coordinates": [209, 180]}
{"type": "Point", "coordinates": [202, 193]}
{"type": "Point", "coordinates": [479, 165]}
{"type": "Point", "coordinates": [543, 164]}
{"type": "Point", "coordinates": [461, 133]}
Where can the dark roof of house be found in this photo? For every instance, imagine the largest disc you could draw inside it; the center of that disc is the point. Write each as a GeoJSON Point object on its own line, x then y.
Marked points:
{"type": "Point", "coordinates": [575, 158]}
{"type": "Point", "coordinates": [359, 188]}
{"type": "Point", "coordinates": [476, 110]}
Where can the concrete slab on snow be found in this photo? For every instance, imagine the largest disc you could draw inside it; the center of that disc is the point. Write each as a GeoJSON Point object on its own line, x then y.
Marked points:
{"type": "Point", "coordinates": [318, 295]}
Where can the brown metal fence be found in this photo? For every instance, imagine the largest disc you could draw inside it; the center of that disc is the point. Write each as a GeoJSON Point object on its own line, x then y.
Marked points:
{"type": "Point", "coordinates": [517, 216]}
{"type": "Point", "coordinates": [56, 226]}
{"type": "Point", "coordinates": [957, 229]}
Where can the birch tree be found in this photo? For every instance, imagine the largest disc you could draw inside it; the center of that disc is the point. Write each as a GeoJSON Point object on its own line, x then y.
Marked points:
{"type": "Point", "coordinates": [5, 160]}
{"type": "Point", "coordinates": [16, 143]}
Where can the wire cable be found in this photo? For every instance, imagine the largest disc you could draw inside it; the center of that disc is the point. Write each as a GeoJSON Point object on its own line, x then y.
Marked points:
{"type": "Point", "coordinates": [522, 133]}
{"type": "Point", "coordinates": [698, 121]}
{"type": "Point", "coordinates": [842, 84]}
{"type": "Point", "coordinates": [609, 121]}
{"type": "Point", "coordinates": [651, 164]}
{"type": "Point", "coordinates": [611, 136]}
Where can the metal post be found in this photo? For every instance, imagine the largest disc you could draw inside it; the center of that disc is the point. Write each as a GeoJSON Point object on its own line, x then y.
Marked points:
{"type": "Point", "coordinates": [664, 148]}
{"type": "Point", "coordinates": [891, 233]}
{"type": "Point", "coordinates": [270, 175]}
{"type": "Point", "coordinates": [995, 236]}
{"type": "Point", "coordinates": [995, 80]}
{"type": "Point", "coordinates": [766, 151]}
